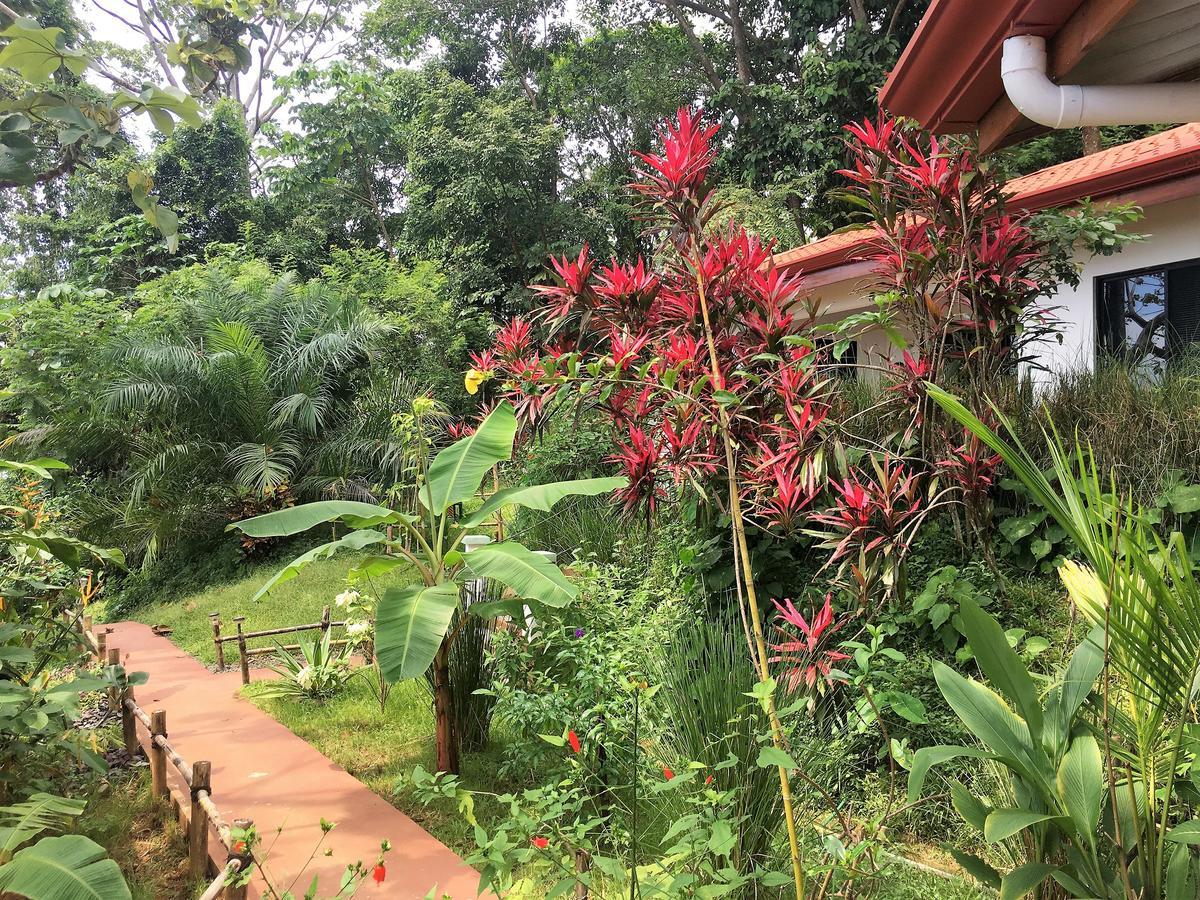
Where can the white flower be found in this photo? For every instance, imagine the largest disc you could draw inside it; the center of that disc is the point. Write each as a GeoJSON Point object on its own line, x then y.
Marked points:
{"type": "Point", "coordinates": [357, 629]}
{"type": "Point", "coordinates": [346, 598]}
{"type": "Point", "coordinates": [305, 677]}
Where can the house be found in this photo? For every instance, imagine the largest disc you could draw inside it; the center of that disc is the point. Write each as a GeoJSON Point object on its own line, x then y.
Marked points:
{"type": "Point", "coordinates": [1011, 69]}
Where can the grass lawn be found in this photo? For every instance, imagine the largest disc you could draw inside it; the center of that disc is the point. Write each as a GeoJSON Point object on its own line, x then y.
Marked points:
{"type": "Point", "coordinates": [297, 602]}
{"type": "Point", "coordinates": [141, 836]}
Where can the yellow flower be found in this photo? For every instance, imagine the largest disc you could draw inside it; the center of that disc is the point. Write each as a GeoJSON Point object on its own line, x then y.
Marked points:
{"type": "Point", "coordinates": [474, 378]}
{"type": "Point", "coordinates": [1085, 588]}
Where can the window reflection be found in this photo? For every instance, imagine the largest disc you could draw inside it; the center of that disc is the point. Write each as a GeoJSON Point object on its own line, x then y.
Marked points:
{"type": "Point", "coordinates": [1135, 321]}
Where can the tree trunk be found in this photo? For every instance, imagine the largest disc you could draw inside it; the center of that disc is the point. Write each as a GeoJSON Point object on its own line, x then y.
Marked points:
{"type": "Point", "coordinates": [443, 713]}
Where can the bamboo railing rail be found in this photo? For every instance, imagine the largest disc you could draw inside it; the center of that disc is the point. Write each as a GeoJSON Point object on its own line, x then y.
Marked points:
{"type": "Point", "coordinates": [198, 778]}
{"type": "Point", "coordinates": [241, 637]}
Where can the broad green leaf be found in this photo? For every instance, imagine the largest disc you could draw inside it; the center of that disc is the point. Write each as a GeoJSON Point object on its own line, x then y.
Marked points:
{"type": "Point", "coordinates": [1081, 785]}
{"type": "Point", "coordinates": [375, 566]}
{"type": "Point", "coordinates": [455, 473]}
{"type": "Point", "coordinates": [295, 519]}
{"type": "Point", "coordinates": [1000, 664]}
{"type": "Point", "coordinates": [42, 468]}
{"type": "Point", "coordinates": [973, 810]}
{"type": "Point", "coordinates": [37, 53]}
{"type": "Point", "coordinates": [70, 867]}
{"type": "Point", "coordinates": [1065, 698]}
{"type": "Point", "coordinates": [543, 496]}
{"type": "Point", "coordinates": [355, 540]}
{"type": "Point", "coordinates": [988, 717]}
{"type": "Point", "coordinates": [977, 869]}
{"type": "Point", "coordinates": [21, 822]}
{"type": "Point", "coordinates": [410, 623]}
{"type": "Point", "coordinates": [1181, 875]}
{"type": "Point", "coordinates": [1185, 833]}
{"type": "Point", "coordinates": [1004, 823]}
{"type": "Point", "coordinates": [770, 757]}
{"type": "Point", "coordinates": [530, 576]}
{"type": "Point", "coordinates": [928, 757]}
{"type": "Point", "coordinates": [1022, 880]}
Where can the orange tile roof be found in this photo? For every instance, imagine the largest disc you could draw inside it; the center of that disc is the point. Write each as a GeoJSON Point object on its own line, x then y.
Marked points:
{"type": "Point", "coordinates": [1158, 158]}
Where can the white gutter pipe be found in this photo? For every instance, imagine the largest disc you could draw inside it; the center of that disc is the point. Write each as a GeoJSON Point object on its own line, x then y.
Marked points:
{"type": "Point", "coordinates": [1023, 68]}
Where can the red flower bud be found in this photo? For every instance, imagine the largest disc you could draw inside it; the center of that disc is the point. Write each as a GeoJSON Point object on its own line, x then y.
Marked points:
{"type": "Point", "coordinates": [379, 874]}
{"type": "Point", "coordinates": [667, 773]}
{"type": "Point", "coordinates": [239, 847]}
{"type": "Point", "coordinates": [708, 780]}
{"type": "Point", "coordinates": [573, 740]}
{"type": "Point", "coordinates": [540, 842]}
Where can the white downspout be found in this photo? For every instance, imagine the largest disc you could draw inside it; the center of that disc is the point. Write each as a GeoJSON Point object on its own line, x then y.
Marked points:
{"type": "Point", "coordinates": [1023, 68]}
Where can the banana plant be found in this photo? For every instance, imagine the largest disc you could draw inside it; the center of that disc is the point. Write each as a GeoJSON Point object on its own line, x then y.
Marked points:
{"type": "Point", "coordinates": [416, 621]}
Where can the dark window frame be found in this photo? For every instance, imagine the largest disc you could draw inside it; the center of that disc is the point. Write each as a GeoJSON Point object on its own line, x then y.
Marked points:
{"type": "Point", "coordinates": [1101, 352]}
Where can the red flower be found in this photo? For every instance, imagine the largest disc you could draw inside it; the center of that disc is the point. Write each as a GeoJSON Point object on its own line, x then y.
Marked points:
{"type": "Point", "coordinates": [573, 740]}
{"type": "Point", "coordinates": [667, 773]}
{"type": "Point", "coordinates": [379, 874]}
{"type": "Point", "coordinates": [238, 847]}
{"type": "Point", "coordinates": [708, 780]}
{"type": "Point", "coordinates": [540, 842]}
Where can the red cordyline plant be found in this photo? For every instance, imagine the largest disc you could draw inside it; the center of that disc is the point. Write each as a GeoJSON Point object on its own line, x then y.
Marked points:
{"type": "Point", "coordinates": [966, 276]}
{"type": "Point", "coordinates": [702, 357]}
{"type": "Point", "coordinates": [802, 650]}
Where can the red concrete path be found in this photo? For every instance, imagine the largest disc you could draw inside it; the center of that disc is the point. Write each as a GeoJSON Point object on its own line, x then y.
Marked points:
{"type": "Point", "coordinates": [262, 771]}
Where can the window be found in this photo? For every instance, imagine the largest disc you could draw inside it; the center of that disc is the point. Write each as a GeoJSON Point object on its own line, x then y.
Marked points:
{"type": "Point", "coordinates": [845, 366]}
{"type": "Point", "coordinates": [1148, 317]}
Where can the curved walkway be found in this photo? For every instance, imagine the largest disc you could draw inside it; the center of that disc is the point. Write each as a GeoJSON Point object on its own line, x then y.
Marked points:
{"type": "Point", "coordinates": [262, 771]}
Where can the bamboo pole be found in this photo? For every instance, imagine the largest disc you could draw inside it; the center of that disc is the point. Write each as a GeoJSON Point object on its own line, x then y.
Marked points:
{"type": "Point", "coordinates": [271, 632]}
{"type": "Point", "coordinates": [112, 657]}
{"type": "Point", "coordinates": [238, 892]}
{"type": "Point", "coordinates": [324, 621]}
{"type": "Point", "coordinates": [242, 657]}
{"type": "Point", "coordinates": [218, 883]}
{"type": "Point", "coordinates": [129, 723]}
{"type": "Point", "coordinates": [215, 619]}
{"type": "Point", "coordinates": [158, 756]}
{"type": "Point", "coordinates": [198, 820]}
{"type": "Point", "coordinates": [101, 644]}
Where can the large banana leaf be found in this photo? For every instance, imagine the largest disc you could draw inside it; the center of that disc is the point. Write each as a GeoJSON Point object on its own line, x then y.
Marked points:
{"type": "Point", "coordinates": [455, 473]}
{"type": "Point", "coordinates": [543, 496]}
{"type": "Point", "coordinates": [22, 822]}
{"type": "Point", "coordinates": [70, 867]}
{"type": "Point", "coordinates": [530, 576]}
{"type": "Point", "coordinates": [410, 623]}
{"type": "Point", "coordinates": [295, 519]}
{"type": "Point", "coordinates": [355, 540]}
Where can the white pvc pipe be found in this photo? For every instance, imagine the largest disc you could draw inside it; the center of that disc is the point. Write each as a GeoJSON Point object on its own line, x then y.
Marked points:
{"type": "Point", "coordinates": [1023, 68]}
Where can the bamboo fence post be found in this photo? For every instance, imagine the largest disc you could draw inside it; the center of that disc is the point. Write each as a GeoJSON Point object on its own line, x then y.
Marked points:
{"type": "Point", "coordinates": [198, 821]}
{"type": "Point", "coordinates": [112, 657]}
{"type": "Point", "coordinates": [158, 756]}
{"type": "Point", "coordinates": [101, 644]}
{"type": "Point", "coordinates": [128, 723]}
{"type": "Point", "coordinates": [215, 618]}
{"type": "Point", "coordinates": [324, 621]}
{"type": "Point", "coordinates": [241, 641]}
{"type": "Point", "coordinates": [238, 892]}
{"type": "Point", "coordinates": [583, 865]}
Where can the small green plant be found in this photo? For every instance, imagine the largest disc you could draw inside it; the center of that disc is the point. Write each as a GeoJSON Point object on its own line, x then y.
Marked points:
{"type": "Point", "coordinates": [318, 673]}
{"type": "Point", "coordinates": [935, 609]}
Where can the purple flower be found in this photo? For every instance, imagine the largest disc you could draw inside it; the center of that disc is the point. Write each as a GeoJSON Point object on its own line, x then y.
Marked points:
{"type": "Point", "coordinates": [579, 632]}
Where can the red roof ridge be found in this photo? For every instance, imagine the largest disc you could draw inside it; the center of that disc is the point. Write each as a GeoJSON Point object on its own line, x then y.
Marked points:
{"type": "Point", "coordinates": [1150, 160]}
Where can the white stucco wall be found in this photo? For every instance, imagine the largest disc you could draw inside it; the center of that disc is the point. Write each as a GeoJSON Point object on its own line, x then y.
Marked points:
{"type": "Point", "coordinates": [1172, 234]}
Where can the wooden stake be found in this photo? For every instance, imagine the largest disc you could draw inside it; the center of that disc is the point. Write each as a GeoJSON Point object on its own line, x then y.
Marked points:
{"type": "Point", "coordinates": [129, 723]}
{"type": "Point", "coordinates": [198, 822]}
{"type": "Point", "coordinates": [238, 892]}
{"type": "Point", "coordinates": [324, 621]}
{"type": "Point", "coordinates": [112, 657]}
{"type": "Point", "coordinates": [158, 756]}
{"type": "Point", "coordinates": [101, 642]}
{"type": "Point", "coordinates": [241, 641]}
{"type": "Point", "coordinates": [583, 865]}
{"type": "Point", "coordinates": [215, 618]}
